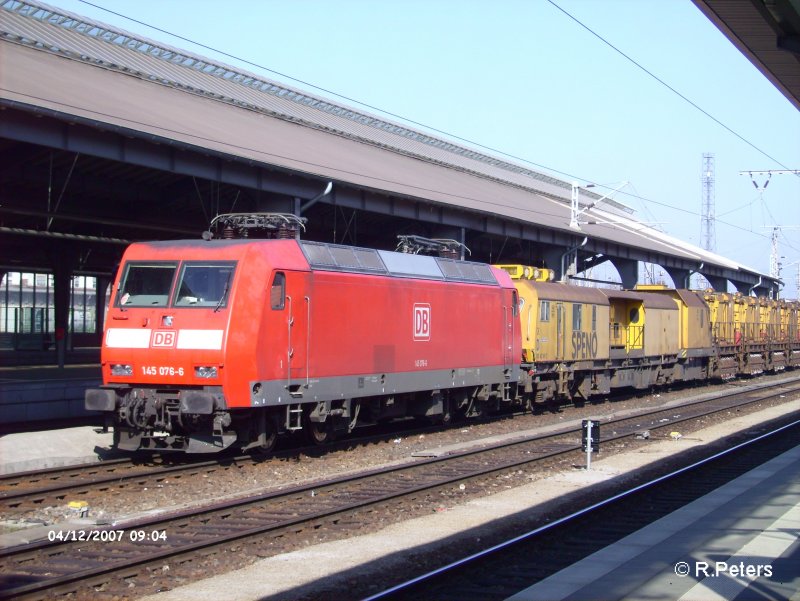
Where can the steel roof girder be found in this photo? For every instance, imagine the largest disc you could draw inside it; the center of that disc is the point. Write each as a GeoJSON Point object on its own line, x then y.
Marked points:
{"type": "Point", "coordinates": [69, 133]}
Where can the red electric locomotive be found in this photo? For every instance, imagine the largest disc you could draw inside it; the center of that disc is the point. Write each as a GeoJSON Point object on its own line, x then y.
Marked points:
{"type": "Point", "coordinates": [214, 342]}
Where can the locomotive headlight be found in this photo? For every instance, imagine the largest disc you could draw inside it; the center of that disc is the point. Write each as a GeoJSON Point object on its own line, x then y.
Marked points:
{"type": "Point", "coordinates": [206, 371]}
{"type": "Point", "coordinates": [119, 369]}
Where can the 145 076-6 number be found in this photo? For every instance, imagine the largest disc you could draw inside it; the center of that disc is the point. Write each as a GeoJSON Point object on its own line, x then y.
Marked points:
{"type": "Point", "coordinates": [161, 370]}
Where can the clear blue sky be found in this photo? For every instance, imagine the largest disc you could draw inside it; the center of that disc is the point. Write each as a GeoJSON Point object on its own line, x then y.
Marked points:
{"type": "Point", "coordinates": [521, 77]}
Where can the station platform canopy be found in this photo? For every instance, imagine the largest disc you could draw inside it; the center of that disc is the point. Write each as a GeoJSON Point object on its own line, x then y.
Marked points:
{"type": "Point", "coordinates": [103, 92]}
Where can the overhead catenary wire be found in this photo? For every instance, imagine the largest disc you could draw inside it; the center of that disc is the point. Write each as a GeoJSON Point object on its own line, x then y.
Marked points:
{"type": "Point", "coordinates": [666, 85]}
{"type": "Point", "coordinates": [570, 176]}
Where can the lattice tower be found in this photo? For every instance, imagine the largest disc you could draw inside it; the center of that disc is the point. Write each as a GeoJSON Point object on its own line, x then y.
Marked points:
{"type": "Point", "coordinates": [708, 235]}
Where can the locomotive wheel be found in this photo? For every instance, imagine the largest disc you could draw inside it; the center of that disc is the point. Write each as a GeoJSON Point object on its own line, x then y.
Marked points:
{"type": "Point", "coordinates": [448, 412]}
{"type": "Point", "coordinates": [264, 435]}
{"type": "Point", "coordinates": [448, 415]}
{"type": "Point", "coordinates": [271, 437]}
{"type": "Point", "coordinates": [319, 433]}
{"type": "Point", "coordinates": [476, 409]}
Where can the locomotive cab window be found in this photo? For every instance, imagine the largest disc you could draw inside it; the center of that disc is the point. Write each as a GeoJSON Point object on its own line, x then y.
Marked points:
{"type": "Point", "coordinates": [204, 284]}
{"type": "Point", "coordinates": [146, 284]}
{"type": "Point", "coordinates": [277, 292]}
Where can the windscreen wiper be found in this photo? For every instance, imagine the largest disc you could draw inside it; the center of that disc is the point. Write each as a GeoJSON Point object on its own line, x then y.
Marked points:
{"type": "Point", "coordinates": [224, 292]}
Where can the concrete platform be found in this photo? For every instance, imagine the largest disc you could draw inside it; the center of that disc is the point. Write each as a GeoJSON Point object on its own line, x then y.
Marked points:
{"type": "Point", "coordinates": [51, 448]}
{"type": "Point", "coordinates": [738, 542]}
{"type": "Point", "coordinates": [37, 394]}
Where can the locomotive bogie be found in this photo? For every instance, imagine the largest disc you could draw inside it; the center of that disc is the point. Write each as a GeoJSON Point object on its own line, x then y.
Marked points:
{"type": "Point", "coordinates": [693, 368]}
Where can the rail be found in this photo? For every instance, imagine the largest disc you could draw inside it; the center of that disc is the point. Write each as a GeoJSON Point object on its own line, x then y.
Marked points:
{"type": "Point", "coordinates": [306, 507]}
{"type": "Point", "coordinates": [589, 529]}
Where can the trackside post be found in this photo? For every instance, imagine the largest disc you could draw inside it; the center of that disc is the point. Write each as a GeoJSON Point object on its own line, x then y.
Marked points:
{"type": "Point", "coordinates": [590, 440]}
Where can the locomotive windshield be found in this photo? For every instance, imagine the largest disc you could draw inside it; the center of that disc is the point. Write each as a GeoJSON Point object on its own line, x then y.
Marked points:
{"type": "Point", "coordinates": [200, 284]}
{"type": "Point", "coordinates": [204, 284]}
{"type": "Point", "coordinates": [146, 285]}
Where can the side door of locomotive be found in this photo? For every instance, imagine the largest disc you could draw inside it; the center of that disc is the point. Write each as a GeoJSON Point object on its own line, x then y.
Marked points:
{"type": "Point", "coordinates": [291, 295]}
{"type": "Point", "coordinates": [510, 313]}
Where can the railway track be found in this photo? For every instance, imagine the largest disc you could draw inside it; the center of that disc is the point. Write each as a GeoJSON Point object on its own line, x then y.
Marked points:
{"type": "Point", "coordinates": [27, 491]}
{"type": "Point", "coordinates": [138, 551]}
{"type": "Point", "coordinates": [507, 568]}
{"type": "Point", "coordinates": [21, 492]}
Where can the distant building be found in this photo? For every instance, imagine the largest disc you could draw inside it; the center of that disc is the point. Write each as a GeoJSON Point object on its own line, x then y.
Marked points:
{"type": "Point", "coordinates": [27, 313]}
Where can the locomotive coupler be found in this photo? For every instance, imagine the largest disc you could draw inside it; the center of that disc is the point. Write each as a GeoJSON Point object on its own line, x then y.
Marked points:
{"type": "Point", "coordinates": [221, 421]}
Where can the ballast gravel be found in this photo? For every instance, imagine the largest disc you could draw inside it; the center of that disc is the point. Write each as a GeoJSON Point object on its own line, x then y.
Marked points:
{"type": "Point", "coordinates": [359, 566]}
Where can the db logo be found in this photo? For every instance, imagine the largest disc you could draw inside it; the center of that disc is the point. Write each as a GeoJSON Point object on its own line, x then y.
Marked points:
{"type": "Point", "coordinates": [422, 322]}
{"type": "Point", "coordinates": [163, 338]}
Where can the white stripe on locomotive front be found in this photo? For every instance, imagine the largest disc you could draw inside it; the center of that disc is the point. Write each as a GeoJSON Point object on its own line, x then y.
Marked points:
{"type": "Point", "coordinates": [128, 338]}
{"type": "Point", "coordinates": [207, 340]}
